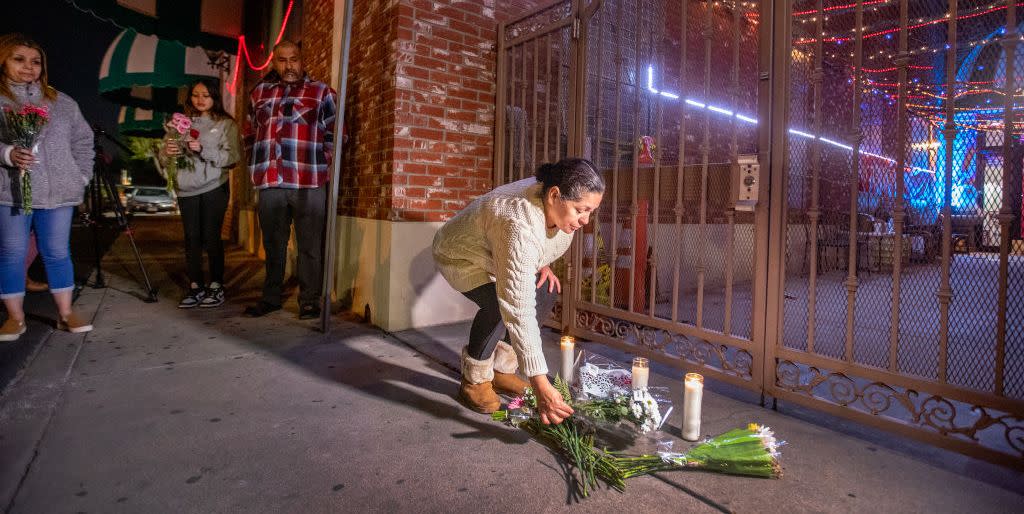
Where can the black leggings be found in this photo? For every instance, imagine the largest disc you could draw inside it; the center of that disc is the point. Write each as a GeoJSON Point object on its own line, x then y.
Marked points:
{"type": "Point", "coordinates": [488, 327]}
{"type": "Point", "coordinates": [202, 216]}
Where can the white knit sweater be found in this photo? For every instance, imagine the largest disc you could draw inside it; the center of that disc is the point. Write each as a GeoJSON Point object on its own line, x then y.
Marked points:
{"type": "Point", "coordinates": [502, 237]}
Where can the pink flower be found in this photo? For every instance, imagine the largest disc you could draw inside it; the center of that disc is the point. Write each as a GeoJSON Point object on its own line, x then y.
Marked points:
{"type": "Point", "coordinates": [516, 403]}
{"type": "Point", "coordinates": [181, 123]}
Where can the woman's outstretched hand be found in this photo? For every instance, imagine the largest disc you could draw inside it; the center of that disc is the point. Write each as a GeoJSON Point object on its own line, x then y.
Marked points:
{"type": "Point", "coordinates": [550, 404]}
{"type": "Point", "coordinates": [546, 275]}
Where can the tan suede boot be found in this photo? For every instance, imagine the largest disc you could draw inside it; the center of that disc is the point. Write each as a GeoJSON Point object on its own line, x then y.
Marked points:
{"type": "Point", "coordinates": [506, 364]}
{"type": "Point", "coordinates": [476, 391]}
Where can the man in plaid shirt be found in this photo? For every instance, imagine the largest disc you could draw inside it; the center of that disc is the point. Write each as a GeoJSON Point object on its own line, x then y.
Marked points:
{"type": "Point", "coordinates": [290, 138]}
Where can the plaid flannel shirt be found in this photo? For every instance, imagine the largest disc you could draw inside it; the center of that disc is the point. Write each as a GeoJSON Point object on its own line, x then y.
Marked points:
{"type": "Point", "coordinates": [290, 134]}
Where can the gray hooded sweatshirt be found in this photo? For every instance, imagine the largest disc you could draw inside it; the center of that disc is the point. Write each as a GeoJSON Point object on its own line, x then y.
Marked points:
{"type": "Point", "coordinates": [211, 166]}
{"type": "Point", "coordinates": [64, 150]}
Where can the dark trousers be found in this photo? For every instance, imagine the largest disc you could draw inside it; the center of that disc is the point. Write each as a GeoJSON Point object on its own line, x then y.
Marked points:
{"type": "Point", "coordinates": [202, 216]}
{"type": "Point", "coordinates": [488, 327]}
{"type": "Point", "coordinates": [277, 209]}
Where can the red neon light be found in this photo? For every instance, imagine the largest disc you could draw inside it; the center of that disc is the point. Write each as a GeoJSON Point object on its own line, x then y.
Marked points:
{"type": "Point", "coordinates": [244, 50]}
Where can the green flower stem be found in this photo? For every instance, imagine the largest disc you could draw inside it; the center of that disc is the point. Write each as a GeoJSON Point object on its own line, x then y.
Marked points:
{"type": "Point", "coordinates": [26, 191]}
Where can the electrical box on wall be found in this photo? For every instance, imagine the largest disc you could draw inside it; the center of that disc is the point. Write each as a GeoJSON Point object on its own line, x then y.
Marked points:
{"type": "Point", "coordinates": [747, 174]}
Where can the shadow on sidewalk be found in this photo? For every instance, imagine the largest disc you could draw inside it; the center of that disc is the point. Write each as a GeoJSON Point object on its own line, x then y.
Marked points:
{"type": "Point", "coordinates": [342, 363]}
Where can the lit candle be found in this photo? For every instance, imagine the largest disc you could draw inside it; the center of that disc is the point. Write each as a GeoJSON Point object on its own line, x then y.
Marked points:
{"type": "Point", "coordinates": [568, 357]}
{"type": "Point", "coordinates": [693, 389]}
{"type": "Point", "coordinates": [640, 373]}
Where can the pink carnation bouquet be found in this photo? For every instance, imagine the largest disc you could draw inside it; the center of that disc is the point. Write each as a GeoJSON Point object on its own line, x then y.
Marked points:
{"type": "Point", "coordinates": [23, 129]}
{"type": "Point", "coordinates": [179, 129]}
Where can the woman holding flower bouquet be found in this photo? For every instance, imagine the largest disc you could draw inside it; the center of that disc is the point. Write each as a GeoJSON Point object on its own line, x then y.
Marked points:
{"type": "Point", "coordinates": [497, 253]}
{"type": "Point", "coordinates": [46, 159]}
{"type": "Point", "coordinates": [208, 148]}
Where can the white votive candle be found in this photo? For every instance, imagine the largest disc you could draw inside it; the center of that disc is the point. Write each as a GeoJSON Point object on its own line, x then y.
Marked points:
{"type": "Point", "coordinates": [693, 390]}
{"type": "Point", "coordinates": [641, 371]}
{"type": "Point", "coordinates": [568, 345]}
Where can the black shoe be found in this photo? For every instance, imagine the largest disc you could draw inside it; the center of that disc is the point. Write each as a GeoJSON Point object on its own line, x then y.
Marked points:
{"type": "Point", "coordinates": [214, 297]}
{"type": "Point", "coordinates": [193, 298]}
{"type": "Point", "coordinates": [309, 311]}
{"type": "Point", "coordinates": [261, 309]}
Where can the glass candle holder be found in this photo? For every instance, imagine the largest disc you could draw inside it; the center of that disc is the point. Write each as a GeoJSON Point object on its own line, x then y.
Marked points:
{"type": "Point", "coordinates": [641, 372]}
{"type": "Point", "coordinates": [568, 350]}
{"type": "Point", "coordinates": [693, 390]}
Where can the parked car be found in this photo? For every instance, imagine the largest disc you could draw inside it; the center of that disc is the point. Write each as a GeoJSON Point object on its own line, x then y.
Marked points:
{"type": "Point", "coordinates": [151, 199]}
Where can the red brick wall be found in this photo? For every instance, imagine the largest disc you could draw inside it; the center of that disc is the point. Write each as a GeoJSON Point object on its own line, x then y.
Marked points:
{"type": "Point", "coordinates": [368, 175]}
{"type": "Point", "coordinates": [317, 34]}
{"type": "Point", "coordinates": [444, 110]}
{"type": "Point", "coordinates": [421, 107]}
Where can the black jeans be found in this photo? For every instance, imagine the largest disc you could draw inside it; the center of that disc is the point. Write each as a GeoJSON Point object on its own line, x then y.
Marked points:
{"type": "Point", "coordinates": [277, 208]}
{"type": "Point", "coordinates": [488, 327]}
{"type": "Point", "coordinates": [202, 216]}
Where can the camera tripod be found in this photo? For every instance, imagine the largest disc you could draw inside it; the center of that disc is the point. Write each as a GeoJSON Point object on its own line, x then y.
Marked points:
{"type": "Point", "coordinates": [98, 186]}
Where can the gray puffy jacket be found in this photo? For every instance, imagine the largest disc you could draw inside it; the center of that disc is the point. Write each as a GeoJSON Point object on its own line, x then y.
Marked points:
{"type": "Point", "coordinates": [64, 150]}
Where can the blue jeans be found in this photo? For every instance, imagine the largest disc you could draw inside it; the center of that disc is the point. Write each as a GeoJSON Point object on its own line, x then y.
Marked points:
{"type": "Point", "coordinates": [53, 232]}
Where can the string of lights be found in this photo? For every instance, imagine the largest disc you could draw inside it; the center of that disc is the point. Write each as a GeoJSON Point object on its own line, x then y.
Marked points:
{"type": "Point", "coordinates": [839, 8]}
{"type": "Point", "coordinates": [874, 31]}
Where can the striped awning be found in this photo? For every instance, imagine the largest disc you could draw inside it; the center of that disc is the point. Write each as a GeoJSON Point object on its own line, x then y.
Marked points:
{"type": "Point", "coordinates": [145, 71]}
{"type": "Point", "coordinates": [211, 24]}
{"type": "Point", "coordinates": [134, 121]}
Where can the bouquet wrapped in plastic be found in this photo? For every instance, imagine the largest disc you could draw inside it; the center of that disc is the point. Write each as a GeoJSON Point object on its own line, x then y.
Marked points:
{"type": "Point", "coordinates": [23, 127]}
{"type": "Point", "coordinates": [751, 451]}
{"type": "Point", "coordinates": [179, 129]}
{"type": "Point", "coordinates": [604, 398]}
{"type": "Point", "coordinates": [604, 393]}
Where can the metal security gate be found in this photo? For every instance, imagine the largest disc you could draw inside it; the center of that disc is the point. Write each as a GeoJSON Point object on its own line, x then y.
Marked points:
{"type": "Point", "coordinates": [790, 292]}
{"type": "Point", "coordinates": [896, 298]}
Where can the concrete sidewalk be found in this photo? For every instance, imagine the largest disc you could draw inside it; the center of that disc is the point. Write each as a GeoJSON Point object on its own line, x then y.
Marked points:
{"type": "Point", "coordinates": [165, 410]}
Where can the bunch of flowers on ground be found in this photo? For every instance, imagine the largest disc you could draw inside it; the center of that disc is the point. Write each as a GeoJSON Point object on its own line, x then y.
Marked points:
{"type": "Point", "coordinates": [23, 128]}
{"type": "Point", "coordinates": [751, 451]}
{"type": "Point", "coordinates": [638, 407]}
{"type": "Point", "coordinates": [568, 437]}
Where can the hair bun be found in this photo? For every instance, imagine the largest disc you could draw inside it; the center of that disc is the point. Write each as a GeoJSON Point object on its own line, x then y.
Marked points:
{"type": "Point", "coordinates": [546, 172]}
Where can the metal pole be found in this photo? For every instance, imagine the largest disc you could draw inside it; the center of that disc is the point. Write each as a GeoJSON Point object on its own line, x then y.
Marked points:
{"type": "Point", "coordinates": [330, 239]}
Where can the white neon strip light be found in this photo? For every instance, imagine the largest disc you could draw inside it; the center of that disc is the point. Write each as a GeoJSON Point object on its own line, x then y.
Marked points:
{"type": "Point", "coordinates": [834, 143]}
{"type": "Point", "coordinates": [748, 119]}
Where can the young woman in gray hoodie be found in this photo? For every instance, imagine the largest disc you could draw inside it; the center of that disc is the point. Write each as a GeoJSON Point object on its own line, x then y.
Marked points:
{"type": "Point", "coordinates": [59, 166]}
{"type": "Point", "coordinates": [203, 189]}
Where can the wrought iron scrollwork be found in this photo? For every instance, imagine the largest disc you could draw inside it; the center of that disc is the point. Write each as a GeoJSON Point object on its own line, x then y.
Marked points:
{"type": "Point", "coordinates": [932, 412]}
{"type": "Point", "coordinates": [538, 21]}
{"type": "Point", "coordinates": [723, 358]}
